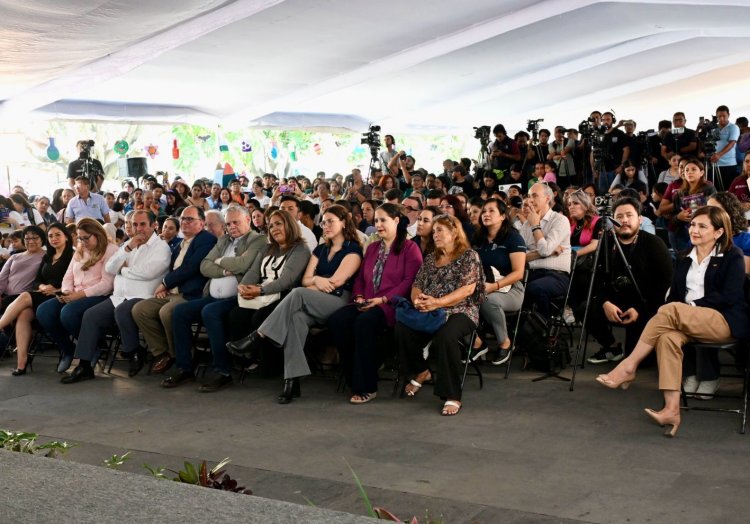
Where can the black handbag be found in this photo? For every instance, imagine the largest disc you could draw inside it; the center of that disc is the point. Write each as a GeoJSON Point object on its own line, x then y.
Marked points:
{"type": "Point", "coordinates": [423, 321]}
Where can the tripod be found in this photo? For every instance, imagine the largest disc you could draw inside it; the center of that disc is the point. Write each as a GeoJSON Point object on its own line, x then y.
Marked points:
{"type": "Point", "coordinates": [606, 236]}
{"type": "Point", "coordinates": [713, 174]}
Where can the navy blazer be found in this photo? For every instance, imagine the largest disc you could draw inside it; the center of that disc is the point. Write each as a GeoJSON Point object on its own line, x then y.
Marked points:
{"type": "Point", "coordinates": [724, 289]}
{"type": "Point", "coordinates": [188, 276]}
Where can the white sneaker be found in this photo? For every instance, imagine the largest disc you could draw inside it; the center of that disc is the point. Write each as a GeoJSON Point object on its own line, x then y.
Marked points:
{"type": "Point", "coordinates": [691, 384]}
{"type": "Point", "coordinates": [706, 389]}
{"type": "Point", "coordinates": [568, 315]}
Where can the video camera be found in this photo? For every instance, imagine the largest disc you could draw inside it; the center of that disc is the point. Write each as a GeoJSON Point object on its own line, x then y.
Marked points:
{"type": "Point", "coordinates": [86, 146]}
{"type": "Point", "coordinates": [372, 140]}
{"type": "Point", "coordinates": [532, 125]}
{"type": "Point", "coordinates": [482, 133]}
{"type": "Point", "coordinates": [604, 204]}
{"type": "Point", "coordinates": [708, 134]}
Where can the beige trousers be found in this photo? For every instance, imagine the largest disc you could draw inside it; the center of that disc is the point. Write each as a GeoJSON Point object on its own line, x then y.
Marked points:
{"type": "Point", "coordinates": [154, 319]}
{"type": "Point", "coordinates": [673, 326]}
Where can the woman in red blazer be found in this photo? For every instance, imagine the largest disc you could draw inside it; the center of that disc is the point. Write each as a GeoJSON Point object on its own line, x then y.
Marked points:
{"type": "Point", "coordinates": [388, 270]}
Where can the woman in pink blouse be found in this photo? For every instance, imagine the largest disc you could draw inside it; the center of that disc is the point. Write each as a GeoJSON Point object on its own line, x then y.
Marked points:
{"type": "Point", "coordinates": [85, 284]}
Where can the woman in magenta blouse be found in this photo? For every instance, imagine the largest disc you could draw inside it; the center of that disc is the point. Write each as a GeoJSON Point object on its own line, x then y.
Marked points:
{"type": "Point", "coordinates": [84, 285]}
{"type": "Point", "coordinates": [388, 270]}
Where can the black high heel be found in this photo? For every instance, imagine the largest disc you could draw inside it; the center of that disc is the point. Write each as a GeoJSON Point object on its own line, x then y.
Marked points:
{"type": "Point", "coordinates": [17, 372]}
{"type": "Point", "coordinates": [291, 390]}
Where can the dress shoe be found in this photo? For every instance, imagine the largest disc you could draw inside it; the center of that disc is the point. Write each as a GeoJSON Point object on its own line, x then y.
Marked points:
{"type": "Point", "coordinates": [706, 389]}
{"type": "Point", "coordinates": [246, 345]}
{"type": "Point", "coordinates": [65, 362]}
{"type": "Point", "coordinates": [665, 420]}
{"type": "Point", "coordinates": [691, 384]}
{"type": "Point", "coordinates": [79, 374]}
{"type": "Point", "coordinates": [220, 382]}
{"type": "Point", "coordinates": [17, 372]}
{"type": "Point", "coordinates": [177, 378]}
{"type": "Point", "coordinates": [291, 390]}
{"type": "Point", "coordinates": [162, 363]}
{"type": "Point", "coordinates": [137, 361]}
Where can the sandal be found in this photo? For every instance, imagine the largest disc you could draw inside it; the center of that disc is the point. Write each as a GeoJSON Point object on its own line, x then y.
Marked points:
{"type": "Point", "coordinates": [364, 398]}
{"type": "Point", "coordinates": [415, 386]}
{"type": "Point", "coordinates": [446, 412]}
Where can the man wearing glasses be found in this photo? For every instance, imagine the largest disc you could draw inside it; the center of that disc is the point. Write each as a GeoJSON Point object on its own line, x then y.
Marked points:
{"type": "Point", "coordinates": [183, 282]}
{"type": "Point", "coordinates": [412, 207]}
{"type": "Point", "coordinates": [682, 140]}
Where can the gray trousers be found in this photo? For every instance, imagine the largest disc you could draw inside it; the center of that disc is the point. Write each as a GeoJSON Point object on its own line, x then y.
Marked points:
{"type": "Point", "coordinates": [290, 322]}
{"type": "Point", "coordinates": [104, 315]}
{"type": "Point", "coordinates": [495, 305]}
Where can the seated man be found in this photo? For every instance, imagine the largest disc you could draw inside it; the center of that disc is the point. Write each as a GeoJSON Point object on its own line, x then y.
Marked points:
{"type": "Point", "coordinates": [547, 237]}
{"type": "Point", "coordinates": [225, 265]}
{"type": "Point", "coordinates": [138, 266]}
{"type": "Point", "coordinates": [618, 301]}
{"type": "Point", "coordinates": [182, 283]}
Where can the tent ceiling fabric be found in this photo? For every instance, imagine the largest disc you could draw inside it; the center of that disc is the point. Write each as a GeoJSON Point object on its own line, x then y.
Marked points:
{"type": "Point", "coordinates": [420, 66]}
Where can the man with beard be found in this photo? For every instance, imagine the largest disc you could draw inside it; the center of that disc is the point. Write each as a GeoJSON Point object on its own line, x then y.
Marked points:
{"type": "Point", "coordinates": [619, 303]}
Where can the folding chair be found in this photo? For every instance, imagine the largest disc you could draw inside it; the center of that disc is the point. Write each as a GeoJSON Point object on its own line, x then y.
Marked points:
{"type": "Point", "coordinates": [467, 347]}
{"type": "Point", "coordinates": [517, 314]}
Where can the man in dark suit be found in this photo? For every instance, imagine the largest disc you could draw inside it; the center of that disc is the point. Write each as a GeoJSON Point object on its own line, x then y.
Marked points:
{"type": "Point", "coordinates": [182, 283]}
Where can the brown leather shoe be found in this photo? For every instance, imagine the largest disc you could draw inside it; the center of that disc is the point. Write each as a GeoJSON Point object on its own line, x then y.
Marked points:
{"type": "Point", "coordinates": [162, 363]}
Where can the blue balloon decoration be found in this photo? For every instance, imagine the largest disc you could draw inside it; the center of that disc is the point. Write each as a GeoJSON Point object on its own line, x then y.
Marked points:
{"type": "Point", "coordinates": [359, 149]}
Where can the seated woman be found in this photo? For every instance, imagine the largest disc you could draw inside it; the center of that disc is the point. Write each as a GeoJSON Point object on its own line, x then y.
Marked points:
{"type": "Point", "coordinates": [706, 303]}
{"type": "Point", "coordinates": [453, 206]}
{"type": "Point", "coordinates": [694, 193]}
{"type": "Point", "coordinates": [450, 278]}
{"type": "Point", "coordinates": [503, 254]}
{"type": "Point", "coordinates": [327, 285]}
{"type": "Point", "coordinates": [273, 274]}
{"type": "Point", "coordinates": [85, 284]}
{"type": "Point", "coordinates": [740, 235]}
{"type": "Point", "coordinates": [423, 238]}
{"type": "Point", "coordinates": [170, 230]}
{"type": "Point", "coordinates": [585, 228]}
{"type": "Point", "coordinates": [17, 278]}
{"type": "Point", "coordinates": [631, 177]}
{"type": "Point", "coordinates": [388, 269]}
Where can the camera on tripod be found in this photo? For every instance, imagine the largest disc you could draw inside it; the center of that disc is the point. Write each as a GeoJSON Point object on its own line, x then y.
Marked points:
{"type": "Point", "coordinates": [532, 126]}
{"type": "Point", "coordinates": [604, 204]}
{"type": "Point", "coordinates": [482, 133]}
{"type": "Point", "coordinates": [708, 134]}
{"type": "Point", "coordinates": [86, 146]}
{"type": "Point", "coordinates": [372, 140]}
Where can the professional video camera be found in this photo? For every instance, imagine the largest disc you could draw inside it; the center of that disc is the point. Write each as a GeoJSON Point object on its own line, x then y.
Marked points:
{"type": "Point", "coordinates": [482, 133]}
{"type": "Point", "coordinates": [86, 146]}
{"type": "Point", "coordinates": [532, 125]}
{"type": "Point", "coordinates": [372, 139]}
{"type": "Point", "coordinates": [708, 134]}
{"type": "Point", "coordinates": [594, 136]}
{"type": "Point", "coordinates": [604, 204]}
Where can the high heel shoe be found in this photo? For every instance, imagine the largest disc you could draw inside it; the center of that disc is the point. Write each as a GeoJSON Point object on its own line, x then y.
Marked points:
{"type": "Point", "coordinates": [665, 420]}
{"type": "Point", "coordinates": [291, 390]}
{"type": "Point", "coordinates": [17, 372]}
{"type": "Point", "coordinates": [624, 384]}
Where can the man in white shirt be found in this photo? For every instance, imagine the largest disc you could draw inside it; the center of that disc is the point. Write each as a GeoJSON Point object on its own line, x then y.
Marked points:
{"type": "Point", "coordinates": [547, 237]}
{"type": "Point", "coordinates": [290, 204]}
{"type": "Point", "coordinates": [412, 206]}
{"type": "Point", "coordinates": [138, 266]}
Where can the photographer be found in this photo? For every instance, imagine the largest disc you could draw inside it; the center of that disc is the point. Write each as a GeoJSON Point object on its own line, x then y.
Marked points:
{"type": "Point", "coordinates": [725, 157]}
{"type": "Point", "coordinates": [503, 152]}
{"type": "Point", "coordinates": [655, 142]}
{"type": "Point", "coordinates": [616, 150]}
{"type": "Point", "coordinates": [388, 154]}
{"type": "Point", "coordinates": [619, 303]}
{"type": "Point", "coordinates": [401, 166]}
{"type": "Point", "coordinates": [682, 140]}
{"type": "Point", "coordinates": [356, 189]}
{"type": "Point", "coordinates": [561, 151]}
{"type": "Point", "coordinates": [78, 167]}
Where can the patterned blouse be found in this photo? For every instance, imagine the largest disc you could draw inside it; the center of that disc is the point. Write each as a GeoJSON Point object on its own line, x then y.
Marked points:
{"type": "Point", "coordinates": [440, 281]}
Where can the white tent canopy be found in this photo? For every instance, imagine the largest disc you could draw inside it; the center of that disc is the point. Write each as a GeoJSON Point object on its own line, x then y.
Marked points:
{"type": "Point", "coordinates": [411, 66]}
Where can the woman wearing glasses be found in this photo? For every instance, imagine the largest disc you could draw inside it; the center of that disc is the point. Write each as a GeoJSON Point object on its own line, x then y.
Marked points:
{"type": "Point", "coordinates": [326, 287]}
{"type": "Point", "coordinates": [16, 279]}
{"type": "Point", "coordinates": [85, 284]}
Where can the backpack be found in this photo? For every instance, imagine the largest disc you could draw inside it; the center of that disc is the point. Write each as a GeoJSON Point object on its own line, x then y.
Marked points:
{"type": "Point", "coordinates": [546, 349]}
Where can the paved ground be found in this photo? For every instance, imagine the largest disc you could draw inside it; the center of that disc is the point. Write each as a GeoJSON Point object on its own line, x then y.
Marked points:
{"type": "Point", "coordinates": [518, 452]}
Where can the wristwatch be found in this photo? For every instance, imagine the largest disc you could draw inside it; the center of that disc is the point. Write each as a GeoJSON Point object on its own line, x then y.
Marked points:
{"type": "Point", "coordinates": [262, 291]}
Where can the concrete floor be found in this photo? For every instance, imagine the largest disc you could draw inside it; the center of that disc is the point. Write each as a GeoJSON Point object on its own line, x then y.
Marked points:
{"type": "Point", "coordinates": [518, 451]}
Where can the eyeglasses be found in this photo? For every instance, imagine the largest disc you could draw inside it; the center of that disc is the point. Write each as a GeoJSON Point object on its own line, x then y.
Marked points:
{"type": "Point", "coordinates": [329, 222]}
{"type": "Point", "coordinates": [31, 239]}
{"type": "Point", "coordinates": [410, 209]}
{"type": "Point", "coordinates": [189, 220]}
{"type": "Point", "coordinates": [82, 238]}
{"type": "Point", "coordinates": [445, 206]}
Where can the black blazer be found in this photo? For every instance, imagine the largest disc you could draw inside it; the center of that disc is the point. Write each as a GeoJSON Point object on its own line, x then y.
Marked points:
{"type": "Point", "coordinates": [724, 289]}
{"type": "Point", "coordinates": [188, 276]}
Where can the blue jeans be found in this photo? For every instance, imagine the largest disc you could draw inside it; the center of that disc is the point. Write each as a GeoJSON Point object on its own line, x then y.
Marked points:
{"type": "Point", "coordinates": [185, 314]}
{"type": "Point", "coordinates": [605, 181]}
{"type": "Point", "coordinates": [62, 321]}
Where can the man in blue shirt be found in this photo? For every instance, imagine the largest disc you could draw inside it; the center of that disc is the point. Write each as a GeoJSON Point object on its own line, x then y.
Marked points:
{"type": "Point", "coordinates": [86, 204]}
{"type": "Point", "coordinates": [725, 157]}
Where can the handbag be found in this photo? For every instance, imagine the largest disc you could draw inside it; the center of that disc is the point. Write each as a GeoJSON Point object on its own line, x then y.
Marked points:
{"type": "Point", "coordinates": [270, 270]}
{"type": "Point", "coordinates": [423, 321]}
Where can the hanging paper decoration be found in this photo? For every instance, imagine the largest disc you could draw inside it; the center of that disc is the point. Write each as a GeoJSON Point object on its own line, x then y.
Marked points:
{"type": "Point", "coordinates": [223, 146]}
{"type": "Point", "coordinates": [52, 152]}
{"type": "Point", "coordinates": [274, 152]}
{"type": "Point", "coordinates": [317, 149]}
{"type": "Point", "coordinates": [121, 147]}
{"type": "Point", "coordinates": [152, 150]}
{"type": "Point", "coordinates": [203, 138]}
{"type": "Point", "coordinates": [293, 156]}
{"type": "Point", "coordinates": [246, 147]}
{"type": "Point", "coordinates": [175, 150]}
{"type": "Point", "coordinates": [219, 174]}
{"type": "Point", "coordinates": [359, 149]}
{"type": "Point", "coordinates": [227, 175]}
{"type": "Point", "coordinates": [338, 144]}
